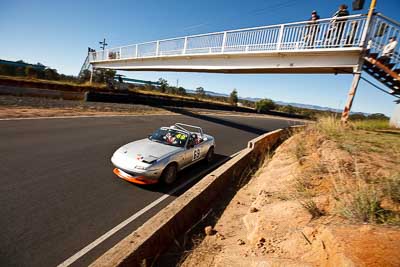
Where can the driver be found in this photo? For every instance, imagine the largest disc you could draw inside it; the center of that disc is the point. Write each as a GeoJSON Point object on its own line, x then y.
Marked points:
{"type": "Point", "coordinates": [170, 138]}
{"type": "Point", "coordinates": [196, 138]}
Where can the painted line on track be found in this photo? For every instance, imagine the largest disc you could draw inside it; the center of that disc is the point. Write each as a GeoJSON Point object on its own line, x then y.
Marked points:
{"type": "Point", "coordinates": [85, 116]}
{"type": "Point", "coordinates": [111, 232]}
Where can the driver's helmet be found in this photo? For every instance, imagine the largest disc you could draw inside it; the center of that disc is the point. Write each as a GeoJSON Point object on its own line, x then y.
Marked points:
{"type": "Point", "coordinates": [170, 138]}
{"type": "Point", "coordinates": [195, 138]}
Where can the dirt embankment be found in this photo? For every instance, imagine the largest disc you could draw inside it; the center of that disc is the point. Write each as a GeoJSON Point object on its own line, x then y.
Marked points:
{"type": "Point", "coordinates": [30, 107]}
{"type": "Point", "coordinates": [328, 197]}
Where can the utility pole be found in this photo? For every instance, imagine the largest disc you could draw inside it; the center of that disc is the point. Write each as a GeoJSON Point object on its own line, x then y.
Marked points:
{"type": "Point", "coordinates": [103, 44]}
{"type": "Point", "coordinates": [357, 73]}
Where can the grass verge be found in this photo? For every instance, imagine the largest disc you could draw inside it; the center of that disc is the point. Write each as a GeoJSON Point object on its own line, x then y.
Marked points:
{"type": "Point", "coordinates": [355, 166]}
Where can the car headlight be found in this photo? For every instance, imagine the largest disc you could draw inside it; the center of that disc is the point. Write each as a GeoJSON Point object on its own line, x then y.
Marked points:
{"type": "Point", "coordinates": [137, 167]}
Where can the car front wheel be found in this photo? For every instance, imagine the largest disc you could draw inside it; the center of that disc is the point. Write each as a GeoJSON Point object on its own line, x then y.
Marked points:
{"type": "Point", "coordinates": [210, 155]}
{"type": "Point", "coordinates": [169, 174]}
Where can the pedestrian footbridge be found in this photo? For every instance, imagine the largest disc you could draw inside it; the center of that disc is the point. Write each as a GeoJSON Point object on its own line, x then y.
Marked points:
{"type": "Point", "coordinates": [333, 45]}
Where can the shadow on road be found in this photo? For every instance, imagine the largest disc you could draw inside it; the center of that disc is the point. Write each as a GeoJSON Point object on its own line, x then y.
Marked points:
{"type": "Point", "coordinates": [199, 169]}
{"type": "Point", "coordinates": [232, 124]}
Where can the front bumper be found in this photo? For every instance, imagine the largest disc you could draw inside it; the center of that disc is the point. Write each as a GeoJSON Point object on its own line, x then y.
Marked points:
{"type": "Point", "coordinates": [126, 165]}
{"type": "Point", "coordinates": [134, 179]}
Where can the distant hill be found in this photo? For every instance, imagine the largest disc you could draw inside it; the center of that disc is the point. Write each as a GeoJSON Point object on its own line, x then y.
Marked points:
{"type": "Point", "coordinates": [255, 99]}
{"type": "Point", "coordinates": [189, 91]}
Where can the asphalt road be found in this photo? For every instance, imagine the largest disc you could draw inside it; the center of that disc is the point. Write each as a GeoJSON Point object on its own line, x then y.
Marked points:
{"type": "Point", "coordinates": [57, 189]}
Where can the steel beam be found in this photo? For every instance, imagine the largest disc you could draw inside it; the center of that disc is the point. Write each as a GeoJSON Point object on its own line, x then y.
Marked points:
{"type": "Point", "coordinates": [350, 97]}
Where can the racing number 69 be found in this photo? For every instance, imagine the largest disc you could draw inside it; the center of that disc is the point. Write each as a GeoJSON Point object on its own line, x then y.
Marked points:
{"type": "Point", "coordinates": [196, 154]}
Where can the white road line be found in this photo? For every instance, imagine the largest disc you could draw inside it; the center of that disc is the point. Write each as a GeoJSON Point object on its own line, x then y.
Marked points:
{"type": "Point", "coordinates": [86, 116]}
{"type": "Point", "coordinates": [105, 236]}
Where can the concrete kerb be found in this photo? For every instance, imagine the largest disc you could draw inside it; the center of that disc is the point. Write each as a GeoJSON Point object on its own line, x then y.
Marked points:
{"type": "Point", "coordinates": [158, 233]}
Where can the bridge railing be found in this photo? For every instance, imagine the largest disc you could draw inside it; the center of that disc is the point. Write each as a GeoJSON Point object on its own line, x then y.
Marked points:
{"type": "Point", "coordinates": [85, 66]}
{"type": "Point", "coordinates": [382, 29]}
{"type": "Point", "coordinates": [325, 33]}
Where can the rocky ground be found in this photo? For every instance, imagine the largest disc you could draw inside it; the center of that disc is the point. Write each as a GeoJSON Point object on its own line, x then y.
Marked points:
{"type": "Point", "coordinates": [328, 197]}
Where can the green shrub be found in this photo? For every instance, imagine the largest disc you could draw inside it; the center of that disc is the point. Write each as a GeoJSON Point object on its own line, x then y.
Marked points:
{"type": "Point", "coordinates": [265, 105]}
{"type": "Point", "coordinates": [363, 205]}
{"type": "Point", "coordinates": [392, 188]}
{"type": "Point", "coordinates": [370, 125]}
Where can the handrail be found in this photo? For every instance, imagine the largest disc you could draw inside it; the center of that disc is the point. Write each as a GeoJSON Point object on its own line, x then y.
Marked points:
{"type": "Point", "coordinates": [382, 29]}
{"type": "Point", "coordinates": [242, 29]}
{"type": "Point", "coordinates": [324, 33]}
{"type": "Point", "coordinates": [389, 19]}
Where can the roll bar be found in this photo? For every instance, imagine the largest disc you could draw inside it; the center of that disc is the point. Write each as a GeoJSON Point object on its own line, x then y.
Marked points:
{"type": "Point", "coordinates": [184, 127]}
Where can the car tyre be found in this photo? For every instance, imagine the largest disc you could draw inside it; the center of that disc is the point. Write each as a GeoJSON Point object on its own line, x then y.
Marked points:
{"type": "Point", "coordinates": [210, 155]}
{"type": "Point", "coordinates": [169, 174]}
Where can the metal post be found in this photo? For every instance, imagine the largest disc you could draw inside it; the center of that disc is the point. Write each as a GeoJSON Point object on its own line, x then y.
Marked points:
{"type": "Point", "coordinates": [185, 46]}
{"type": "Point", "coordinates": [368, 23]}
{"type": "Point", "coordinates": [350, 97]}
{"type": "Point", "coordinates": [357, 73]}
{"type": "Point", "coordinates": [136, 52]}
{"type": "Point", "coordinates": [280, 37]}
{"type": "Point", "coordinates": [157, 48]}
{"type": "Point", "coordinates": [223, 43]}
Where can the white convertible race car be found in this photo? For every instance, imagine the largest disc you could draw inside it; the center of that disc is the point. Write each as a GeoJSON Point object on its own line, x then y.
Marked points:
{"type": "Point", "coordinates": [165, 152]}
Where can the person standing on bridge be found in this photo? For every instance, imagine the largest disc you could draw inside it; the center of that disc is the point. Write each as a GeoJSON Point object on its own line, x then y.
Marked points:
{"type": "Point", "coordinates": [312, 29]}
{"type": "Point", "coordinates": [388, 51]}
{"type": "Point", "coordinates": [338, 23]}
{"type": "Point", "coordinates": [368, 48]}
{"type": "Point", "coordinates": [342, 12]}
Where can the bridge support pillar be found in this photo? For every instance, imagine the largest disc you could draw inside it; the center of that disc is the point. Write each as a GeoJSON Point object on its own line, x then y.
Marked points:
{"type": "Point", "coordinates": [350, 97]}
{"type": "Point", "coordinates": [91, 75]}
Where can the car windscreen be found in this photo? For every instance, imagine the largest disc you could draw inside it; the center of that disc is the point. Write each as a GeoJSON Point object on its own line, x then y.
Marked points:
{"type": "Point", "coordinates": [169, 137]}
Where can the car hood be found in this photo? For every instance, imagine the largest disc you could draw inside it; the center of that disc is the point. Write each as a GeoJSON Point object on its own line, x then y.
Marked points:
{"type": "Point", "coordinates": [146, 150]}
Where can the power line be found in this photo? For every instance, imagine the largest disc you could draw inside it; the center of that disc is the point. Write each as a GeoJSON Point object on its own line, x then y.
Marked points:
{"type": "Point", "coordinates": [379, 88]}
{"type": "Point", "coordinates": [371, 83]}
{"type": "Point", "coordinates": [258, 11]}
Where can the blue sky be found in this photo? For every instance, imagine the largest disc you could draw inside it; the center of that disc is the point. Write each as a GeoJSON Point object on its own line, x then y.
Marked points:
{"type": "Point", "coordinates": [57, 34]}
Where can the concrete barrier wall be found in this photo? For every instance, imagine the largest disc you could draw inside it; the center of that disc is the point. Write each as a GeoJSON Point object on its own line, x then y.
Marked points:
{"type": "Point", "coordinates": [159, 232]}
{"type": "Point", "coordinates": [158, 101]}
{"type": "Point", "coordinates": [171, 101]}
{"type": "Point", "coordinates": [50, 85]}
{"type": "Point", "coordinates": [36, 92]}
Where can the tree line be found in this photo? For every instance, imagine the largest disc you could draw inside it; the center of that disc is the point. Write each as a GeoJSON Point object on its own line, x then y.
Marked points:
{"type": "Point", "coordinates": [46, 73]}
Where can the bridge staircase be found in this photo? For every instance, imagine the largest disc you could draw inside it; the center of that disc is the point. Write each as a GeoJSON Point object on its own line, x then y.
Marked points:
{"type": "Point", "coordinates": [85, 66]}
{"type": "Point", "coordinates": [387, 73]}
{"type": "Point", "coordinates": [384, 73]}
